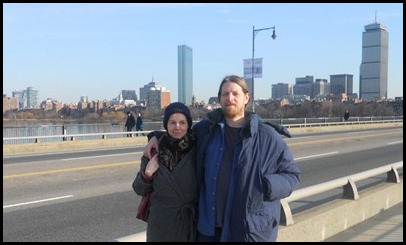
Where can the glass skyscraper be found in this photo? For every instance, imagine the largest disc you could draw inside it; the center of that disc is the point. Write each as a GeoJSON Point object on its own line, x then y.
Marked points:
{"type": "Point", "coordinates": [373, 80]}
{"type": "Point", "coordinates": [185, 74]}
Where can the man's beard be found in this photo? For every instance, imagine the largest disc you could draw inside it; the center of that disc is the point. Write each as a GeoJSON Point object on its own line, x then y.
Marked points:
{"type": "Point", "coordinates": [232, 111]}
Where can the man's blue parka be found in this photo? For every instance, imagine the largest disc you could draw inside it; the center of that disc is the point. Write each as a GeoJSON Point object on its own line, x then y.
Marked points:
{"type": "Point", "coordinates": [263, 172]}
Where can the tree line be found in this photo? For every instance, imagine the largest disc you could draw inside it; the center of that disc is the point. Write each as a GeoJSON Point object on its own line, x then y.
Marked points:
{"type": "Point", "coordinates": [266, 109]}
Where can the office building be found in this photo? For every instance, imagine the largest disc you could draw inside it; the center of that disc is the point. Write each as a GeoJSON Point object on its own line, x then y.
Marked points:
{"type": "Point", "coordinates": [21, 98]}
{"type": "Point", "coordinates": [321, 87]}
{"type": "Point", "coordinates": [341, 84]}
{"type": "Point", "coordinates": [145, 90]}
{"type": "Point", "coordinates": [304, 86]}
{"type": "Point", "coordinates": [32, 98]}
{"type": "Point", "coordinates": [84, 99]}
{"type": "Point", "coordinates": [155, 95]}
{"type": "Point", "coordinates": [373, 80]}
{"type": "Point", "coordinates": [185, 74]}
{"type": "Point", "coordinates": [27, 99]}
{"type": "Point", "coordinates": [281, 90]}
{"type": "Point", "coordinates": [129, 95]}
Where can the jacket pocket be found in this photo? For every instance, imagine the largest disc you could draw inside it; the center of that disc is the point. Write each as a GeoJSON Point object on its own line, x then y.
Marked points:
{"type": "Point", "coordinates": [260, 221]}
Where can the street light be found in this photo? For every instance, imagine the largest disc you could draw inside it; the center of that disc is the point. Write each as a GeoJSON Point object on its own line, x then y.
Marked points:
{"type": "Point", "coordinates": [254, 32]}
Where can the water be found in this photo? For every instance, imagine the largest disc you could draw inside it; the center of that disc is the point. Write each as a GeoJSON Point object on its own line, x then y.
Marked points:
{"type": "Point", "coordinates": [32, 129]}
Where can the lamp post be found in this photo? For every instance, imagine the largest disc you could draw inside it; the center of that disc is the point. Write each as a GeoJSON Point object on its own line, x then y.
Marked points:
{"type": "Point", "coordinates": [254, 33]}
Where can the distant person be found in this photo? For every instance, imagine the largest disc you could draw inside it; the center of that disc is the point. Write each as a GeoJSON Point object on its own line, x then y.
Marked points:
{"type": "Point", "coordinates": [171, 177]}
{"type": "Point", "coordinates": [130, 123]}
{"type": "Point", "coordinates": [139, 126]}
{"type": "Point", "coordinates": [346, 115]}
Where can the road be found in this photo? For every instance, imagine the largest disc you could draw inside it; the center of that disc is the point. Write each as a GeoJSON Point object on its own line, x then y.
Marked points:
{"type": "Point", "coordinates": [87, 196]}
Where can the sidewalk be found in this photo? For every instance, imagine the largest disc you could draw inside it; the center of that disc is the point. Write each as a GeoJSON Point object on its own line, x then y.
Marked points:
{"type": "Point", "coordinates": [386, 226]}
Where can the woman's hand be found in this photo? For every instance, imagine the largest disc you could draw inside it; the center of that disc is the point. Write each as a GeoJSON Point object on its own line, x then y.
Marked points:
{"type": "Point", "coordinates": [152, 166]}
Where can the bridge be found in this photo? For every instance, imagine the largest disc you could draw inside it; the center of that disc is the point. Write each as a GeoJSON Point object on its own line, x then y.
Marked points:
{"type": "Point", "coordinates": [316, 224]}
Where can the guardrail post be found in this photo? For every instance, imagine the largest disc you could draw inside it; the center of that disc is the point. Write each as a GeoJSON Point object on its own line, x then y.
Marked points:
{"type": "Point", "coordinates": [286, 214]}
{"type": "Point", "coordinates": [64, 132]}
{"type": "Point", "coordinates": [393, 176]}
{"type": "Point", "coordinates": [350, 190]}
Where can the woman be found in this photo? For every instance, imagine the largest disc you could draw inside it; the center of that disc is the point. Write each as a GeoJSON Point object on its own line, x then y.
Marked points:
{"type": "Point", "coordinates": [171, 176]}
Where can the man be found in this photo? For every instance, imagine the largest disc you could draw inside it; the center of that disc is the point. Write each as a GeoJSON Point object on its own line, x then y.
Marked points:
{"type": "Point", "coordinates": [244, 168]}
{"type": "Point", "coordinates": [346, 115]}
{"type": "Point", "coordinates": [130, 123]}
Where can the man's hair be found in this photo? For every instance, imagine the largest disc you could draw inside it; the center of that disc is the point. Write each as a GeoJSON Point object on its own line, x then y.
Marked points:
{"type": "Point", "coordinates": [234, 79]}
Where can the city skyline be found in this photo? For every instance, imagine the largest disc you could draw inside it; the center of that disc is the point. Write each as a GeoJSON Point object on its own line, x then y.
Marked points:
{"type": "Point", "coordinates": [70, 50]}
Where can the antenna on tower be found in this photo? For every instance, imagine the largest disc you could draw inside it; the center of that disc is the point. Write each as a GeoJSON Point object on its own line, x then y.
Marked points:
{"type": "Point", "coordinates": [375, 16]}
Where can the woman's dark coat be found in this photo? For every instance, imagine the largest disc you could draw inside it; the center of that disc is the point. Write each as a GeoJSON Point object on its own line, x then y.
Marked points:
{"type": "Point", "coordinates": [173, 212]}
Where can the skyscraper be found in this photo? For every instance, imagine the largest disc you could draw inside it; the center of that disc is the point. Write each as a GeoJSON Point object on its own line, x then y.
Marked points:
{"type": "Point", "coordinates": [185, 74]}
{"type": "Point", "coordinates": [373, 80]}
{"type": "Point", "coordinates": [32, 98]}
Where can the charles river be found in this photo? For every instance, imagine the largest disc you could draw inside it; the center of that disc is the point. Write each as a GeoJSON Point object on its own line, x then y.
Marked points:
{"type": "Point", "coordinates": [14, 129]}
{"type": "Point", "coordinates": [41, 129]}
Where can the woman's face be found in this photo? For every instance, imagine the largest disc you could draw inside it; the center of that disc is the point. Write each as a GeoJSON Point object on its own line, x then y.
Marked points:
{"type": "Point", "coordinates": [177, 125]}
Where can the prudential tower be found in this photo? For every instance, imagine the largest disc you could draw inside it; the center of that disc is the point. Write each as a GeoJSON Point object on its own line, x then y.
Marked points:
{"type": "Point", "coordinates": [373, 81]}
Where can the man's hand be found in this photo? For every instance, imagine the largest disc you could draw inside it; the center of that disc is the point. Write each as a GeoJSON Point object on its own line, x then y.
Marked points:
{"type": "Point", "coordinates": [151, 148]}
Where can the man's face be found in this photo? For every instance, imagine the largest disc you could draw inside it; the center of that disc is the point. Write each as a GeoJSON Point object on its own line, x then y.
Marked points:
{"type": "Point", "coordinates": [233, 100]}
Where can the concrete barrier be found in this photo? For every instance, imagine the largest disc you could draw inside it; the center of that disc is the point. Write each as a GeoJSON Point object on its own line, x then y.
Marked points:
{"type": "Point", "coordinates": [324, 221]}
{"type": "Point", "coordinates": [46, 147]}
{"type": "Point", "coordinates": [321, 222]}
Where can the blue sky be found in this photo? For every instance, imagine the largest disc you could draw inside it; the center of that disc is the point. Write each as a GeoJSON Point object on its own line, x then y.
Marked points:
{"type": "Point", "coordinates": [69, 50]}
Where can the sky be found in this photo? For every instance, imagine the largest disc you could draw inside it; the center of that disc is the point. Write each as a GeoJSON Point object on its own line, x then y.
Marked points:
{"type": "Point", "coordinates": [69, 50]}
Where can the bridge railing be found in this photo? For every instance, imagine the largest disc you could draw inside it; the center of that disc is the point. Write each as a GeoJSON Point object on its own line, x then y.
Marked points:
{"type": "Point", "coordinates": [348, 184]}
{"type": "Point", "coordinates": [120, 134]}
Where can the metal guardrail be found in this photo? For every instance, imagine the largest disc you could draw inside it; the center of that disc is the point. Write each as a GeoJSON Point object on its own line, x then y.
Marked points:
{"type": "Point", "coordinates": [329, 124]}
{"type": "Point", "coordinates": [122, 134]}
{"type": "Point", "coordinates": [347, 183]}
{"type": "Point", "coordinates": [73, 137]}
{"type": "Point", "coordinates": [350, 190]}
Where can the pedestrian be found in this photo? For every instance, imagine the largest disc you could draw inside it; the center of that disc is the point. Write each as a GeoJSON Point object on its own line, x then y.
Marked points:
{"type": "Point", "coordinates": [130, 123]}
{"type": "Point", "coordinates": [139, 126]}
{"type": "Point", "coordinates": [346, 115]}
{"type": "Point", "coordinates": [244, 168]}
{"type": "Point", "coordinates": [171, 176]}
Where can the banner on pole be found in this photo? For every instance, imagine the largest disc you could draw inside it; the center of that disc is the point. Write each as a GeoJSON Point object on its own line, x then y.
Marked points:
{"type": "Point", "coordinates": [257, 68]}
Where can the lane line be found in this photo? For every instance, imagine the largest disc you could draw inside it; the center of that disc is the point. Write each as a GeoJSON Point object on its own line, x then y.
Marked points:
{"type": "Point", "coordinates": [110, 155]}
{"type": "Point", "coordinates": [318, 155]}
{"type": "Point", "coordinates": [68, 169]}
{"type": "Point", "coordinates": [44, 200]}
{"type": "Point", "coordinates": [396, 142]}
